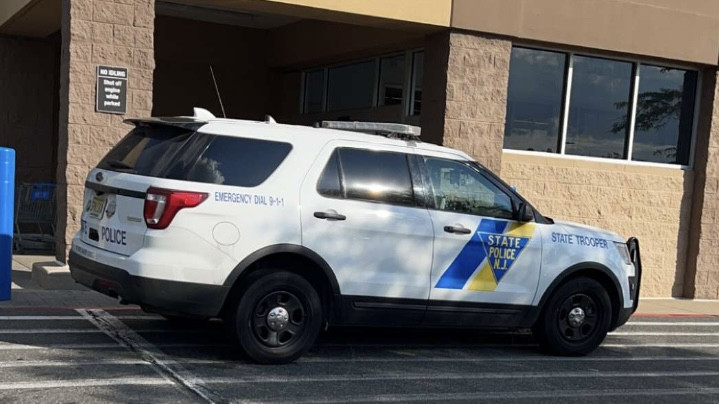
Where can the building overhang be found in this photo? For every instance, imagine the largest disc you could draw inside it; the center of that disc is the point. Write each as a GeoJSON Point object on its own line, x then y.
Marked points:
{"type": "Point", "coordinates": [32, 18]}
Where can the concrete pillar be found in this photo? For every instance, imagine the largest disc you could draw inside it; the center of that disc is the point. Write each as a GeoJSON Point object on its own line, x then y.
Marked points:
{"type": "Point", "coordinates": [116, 33]}
{"type": "Point", "coordinates": [702, 274]}
{"type": "Point", "coordinates": [473, 101]}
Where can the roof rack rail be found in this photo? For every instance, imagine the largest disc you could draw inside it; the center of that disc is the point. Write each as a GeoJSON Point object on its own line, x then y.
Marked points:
{"type": "Point", "coordinates": [390, 130]}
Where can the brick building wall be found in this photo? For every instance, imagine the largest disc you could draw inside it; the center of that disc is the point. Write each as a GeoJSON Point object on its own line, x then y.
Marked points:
{"type": "Point", "coordinates": [650, 203]}
{"type": "Point", "coordinates": [28, 103]}
{"type": "Point", "coordinates": [95, 32]}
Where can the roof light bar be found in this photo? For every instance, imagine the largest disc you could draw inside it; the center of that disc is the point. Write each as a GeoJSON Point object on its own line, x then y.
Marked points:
{"type": "Point", "coordinates": [387, 129]}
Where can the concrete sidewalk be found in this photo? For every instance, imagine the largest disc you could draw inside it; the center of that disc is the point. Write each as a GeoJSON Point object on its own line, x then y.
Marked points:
{"type": "Point", "coordinates": [34, 286]}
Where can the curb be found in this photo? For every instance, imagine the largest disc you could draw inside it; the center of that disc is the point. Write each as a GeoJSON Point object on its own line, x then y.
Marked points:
{"type": "Point", "coordinates": [52, 275]}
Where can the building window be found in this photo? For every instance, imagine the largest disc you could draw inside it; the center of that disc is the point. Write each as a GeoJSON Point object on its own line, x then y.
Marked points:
{"type": "Point", "coordinates": [381, 81]}
{"type": "Point", "coordinates": [314, 91]}
{"type": "Point", "coordinates": [391, 80]}
{"type": "Point", "coordinates": [417, 77]}
{"type": "Point", "coordinates": [534, 102]}
{"type": "Point", "coordinates": [597, 107]}
{"type": "Point", "coordinates": [665, 112]}
{"type": "Point", "coordinates": [351, 86]}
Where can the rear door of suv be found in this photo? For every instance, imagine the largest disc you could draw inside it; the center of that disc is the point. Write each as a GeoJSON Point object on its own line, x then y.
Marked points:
{"type": "Point", "coordinates": [114, 198]}
{"type": "Point", "coordinates": [359, 212]}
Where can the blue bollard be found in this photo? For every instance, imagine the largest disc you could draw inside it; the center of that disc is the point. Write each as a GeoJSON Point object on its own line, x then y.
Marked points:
{"type": "Point", "coordinates": [7, 212]}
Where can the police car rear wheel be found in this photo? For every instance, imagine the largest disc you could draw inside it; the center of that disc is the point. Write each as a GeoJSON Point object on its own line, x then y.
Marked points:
{"type": "Point", "coordinates": [576, 318]}
{"type": "Point", "coordinates": [278, 317]}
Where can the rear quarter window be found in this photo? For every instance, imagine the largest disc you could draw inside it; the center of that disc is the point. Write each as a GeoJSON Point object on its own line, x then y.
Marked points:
{"type": "Point", "coordinates": [181, 154]}
{"type": "Point", "coordinates": [241, 162]}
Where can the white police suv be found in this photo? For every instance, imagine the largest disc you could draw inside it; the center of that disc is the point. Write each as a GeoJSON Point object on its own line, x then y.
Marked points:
{"type": "Point", "coordinates": [282, 230]}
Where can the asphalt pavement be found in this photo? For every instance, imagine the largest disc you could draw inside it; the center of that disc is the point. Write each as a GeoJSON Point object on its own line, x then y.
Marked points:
{"type": "Point", "coordinates": [69, 346]}
{"type": "Point", "coordinates": [120, 354]}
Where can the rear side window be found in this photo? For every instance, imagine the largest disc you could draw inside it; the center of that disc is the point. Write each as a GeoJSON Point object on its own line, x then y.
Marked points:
{"type": "Point", "coordinates": [174, 153]}
{"type": "Point", "coordinates": [368, 175]}
{"type": "Point", "coordinates": [237, 161]}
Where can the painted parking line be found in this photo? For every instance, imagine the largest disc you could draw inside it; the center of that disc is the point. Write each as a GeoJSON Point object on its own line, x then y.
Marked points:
{"type": "Point", "coordinates": [19, 347]}
{"type": "Point", "coordinates": [676, 323]}
{"type": "Point", "coordinates": [120, 381]}
{"type": "Point", "coordinates": [324, 378]}
{"type": "Point", "coordinates": [160, 362]}
{"type": "Point", "coordinates": [484, 359]}
{"type": "Point", "coordinates": [78, 318]}
{"type": "Point", "coordinates": [98, 331]}
{"type": "Point", "coordinates": [664, 334]}
{"type": "Point", "coordinates": [489, 395]}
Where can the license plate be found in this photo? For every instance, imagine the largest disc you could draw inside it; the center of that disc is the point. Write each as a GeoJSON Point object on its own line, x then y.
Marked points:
{"type": "Point", "coordinates": [97, 207]}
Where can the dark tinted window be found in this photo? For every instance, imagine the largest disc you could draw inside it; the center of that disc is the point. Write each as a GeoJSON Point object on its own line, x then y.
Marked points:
{"type": "Point", "coordinates": [352, 86]}
{"type": "Point", "coordinates": [665, 111]}
{"type": "Point", "coordinates": [329, 183]}
{"type": "Point", "coordinates": [314, 91]}
{"type": "Point", "coordinates": [599, 107]}
{"type": "Point", "coordinates": [376, 176]}
{"type": "Point", "coordinates": [534, 100]}
{"type": "Point", "coordinates": [391, 80]}
{"type": "Point", "coordinates": [237, 161]}
{"type": "Point", "coordinates": [146, 150]}
{"type": "Point", "coordinates": [417, 77]}
{"type": "Point", "coordinates": [459, 187]}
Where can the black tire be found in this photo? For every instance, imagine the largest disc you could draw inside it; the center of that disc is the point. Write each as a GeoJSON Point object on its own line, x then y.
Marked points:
{"type": "Point", "coordinates": [576, 318]}
{"type": "Point", "coordinates": [290, 300]}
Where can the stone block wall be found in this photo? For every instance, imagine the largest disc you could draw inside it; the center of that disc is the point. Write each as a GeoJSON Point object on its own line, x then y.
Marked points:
{"type": "Point", "coordinates": [650, 203]}
{"type": "Point", "coordinates": [96, 32]}
{"type": "Point", "coordinates": [476, 96]}
{"type": "Point", "coordinates": [27, 104]}
{"type": "Point", "coordinates": [703, 269]}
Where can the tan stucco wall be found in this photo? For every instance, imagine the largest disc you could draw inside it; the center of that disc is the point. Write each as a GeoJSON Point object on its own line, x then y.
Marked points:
{"type": "Point", "coordinates": [651, 203]}
{"type": "Point", "coordinates": [366, 12]}
{"type": "Point", "coordinates": [671, 29]}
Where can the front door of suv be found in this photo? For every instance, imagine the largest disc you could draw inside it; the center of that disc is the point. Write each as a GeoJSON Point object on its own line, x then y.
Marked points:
{"type": "Point", "coordinates": [481, 254]}
{"type": "Point", "coordinates": [360, 214]}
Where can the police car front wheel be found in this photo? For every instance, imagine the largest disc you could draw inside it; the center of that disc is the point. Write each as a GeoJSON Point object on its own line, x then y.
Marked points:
{"type": "Point", "coordinates": [576, 318]}
{"type": "Point", "coordinates": [277, 317]}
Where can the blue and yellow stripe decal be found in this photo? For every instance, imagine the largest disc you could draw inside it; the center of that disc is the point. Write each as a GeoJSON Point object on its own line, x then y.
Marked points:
{"type": "Point", "coordinates": [488, 256]}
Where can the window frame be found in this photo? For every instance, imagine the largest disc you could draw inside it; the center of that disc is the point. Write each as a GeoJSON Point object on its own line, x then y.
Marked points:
{"type": "Point", "coordinates": [637, 63]}
{"type": "Point", "coordinates": [407, 87]}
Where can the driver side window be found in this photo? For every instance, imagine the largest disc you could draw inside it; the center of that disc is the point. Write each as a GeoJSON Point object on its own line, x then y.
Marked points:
{"type": "Point", "coordinates": [459, 187]}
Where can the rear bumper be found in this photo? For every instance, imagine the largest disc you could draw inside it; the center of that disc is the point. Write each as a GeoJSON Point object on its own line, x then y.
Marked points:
{"type": "Point", "coordinates": [161, 296]}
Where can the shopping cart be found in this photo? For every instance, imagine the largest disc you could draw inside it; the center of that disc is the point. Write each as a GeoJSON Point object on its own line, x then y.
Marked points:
{"type": "Point", "coordinates": [34, 217]}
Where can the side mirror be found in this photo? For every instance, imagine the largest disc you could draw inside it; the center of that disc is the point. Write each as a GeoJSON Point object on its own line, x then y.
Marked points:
{"type": "Point", "coordinates": [525, 213]}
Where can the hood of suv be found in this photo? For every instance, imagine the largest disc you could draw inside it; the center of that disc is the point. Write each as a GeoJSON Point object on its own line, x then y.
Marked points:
{"type": "Point", "coordinates": [582, 229]}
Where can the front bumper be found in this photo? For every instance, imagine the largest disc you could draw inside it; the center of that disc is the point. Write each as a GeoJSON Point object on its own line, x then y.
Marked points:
{"type": "Point", "coordinates": [634, 282]}
{"type": "Point", "coordinates": [156, 295]}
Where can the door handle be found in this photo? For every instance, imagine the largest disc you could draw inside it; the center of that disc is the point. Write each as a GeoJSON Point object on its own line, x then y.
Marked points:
{"type": "Point", "coordinates": [457, 229]}
{"type": "Point", "coordinates": [330, 215]}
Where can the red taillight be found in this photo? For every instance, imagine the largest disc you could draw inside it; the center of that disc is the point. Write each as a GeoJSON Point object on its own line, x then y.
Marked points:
{"type": "Point", "coordinates": [161, 205]}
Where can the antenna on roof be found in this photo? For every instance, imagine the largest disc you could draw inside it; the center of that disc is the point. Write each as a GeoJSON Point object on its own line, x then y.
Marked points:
{"type": "Point", "coordinates": [217, 90]}
{"type": "Point", "coordinates": [269, 119]}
